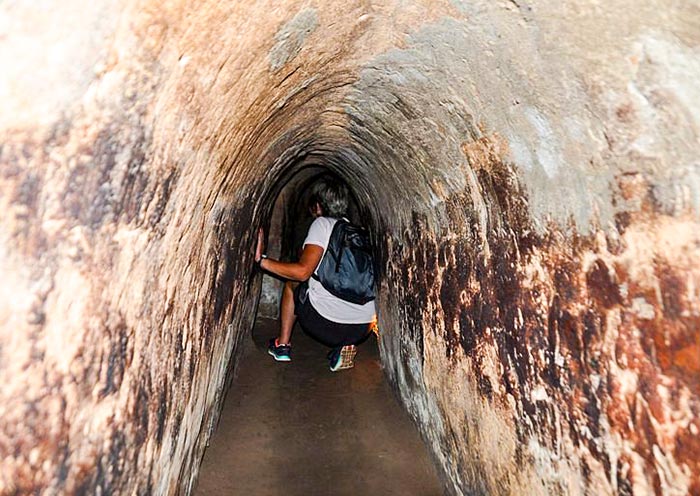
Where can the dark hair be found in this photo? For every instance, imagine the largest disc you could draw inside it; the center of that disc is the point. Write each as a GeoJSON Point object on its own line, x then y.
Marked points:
{"type": "Point", "coordinates": [332, 195]}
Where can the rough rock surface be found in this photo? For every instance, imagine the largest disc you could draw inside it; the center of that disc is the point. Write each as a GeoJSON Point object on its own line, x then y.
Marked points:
{"type": "Point", "coordinates": [529, 169]}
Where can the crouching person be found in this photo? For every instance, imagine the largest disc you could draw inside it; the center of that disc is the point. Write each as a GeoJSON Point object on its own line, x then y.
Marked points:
{"type": "Point", "coordinates": [330, 290]}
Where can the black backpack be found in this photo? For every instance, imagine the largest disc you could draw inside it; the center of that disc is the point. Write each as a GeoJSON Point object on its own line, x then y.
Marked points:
{"type": "Point", "coordinates": [347, 269]}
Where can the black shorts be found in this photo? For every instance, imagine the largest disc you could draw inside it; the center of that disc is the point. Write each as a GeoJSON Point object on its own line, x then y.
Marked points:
{"type": "Point", "coordinates": [330, 333]}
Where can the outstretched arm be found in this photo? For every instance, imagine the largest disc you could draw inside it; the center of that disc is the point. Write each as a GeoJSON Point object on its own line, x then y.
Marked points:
{"type": "Point", "coordinates": [296, 271]}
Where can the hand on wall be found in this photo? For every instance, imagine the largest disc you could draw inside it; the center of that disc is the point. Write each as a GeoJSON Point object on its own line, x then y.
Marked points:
{"type": "Point", "coordinates": [260, 246]}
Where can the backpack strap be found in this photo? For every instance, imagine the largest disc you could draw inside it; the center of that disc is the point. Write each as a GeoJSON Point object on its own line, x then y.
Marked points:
{"type": "Point", "coordinates": [343, 243]}
{"type": "Point", "coordinates": [340, 221]}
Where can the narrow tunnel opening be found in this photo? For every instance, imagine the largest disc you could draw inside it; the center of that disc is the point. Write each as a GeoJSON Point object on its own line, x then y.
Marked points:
{"type": "Point", "coordinates": [288, 225]}
{"type": "Point", "coordinates": [351, 424]}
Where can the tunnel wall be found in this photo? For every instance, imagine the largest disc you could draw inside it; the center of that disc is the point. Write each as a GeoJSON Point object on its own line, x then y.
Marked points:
{"type": "Point", "coordinates": [530, 175]}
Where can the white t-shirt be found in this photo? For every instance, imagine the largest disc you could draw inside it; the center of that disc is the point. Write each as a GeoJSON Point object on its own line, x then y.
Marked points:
{"type": "Point", "coordinates": [328, 306]}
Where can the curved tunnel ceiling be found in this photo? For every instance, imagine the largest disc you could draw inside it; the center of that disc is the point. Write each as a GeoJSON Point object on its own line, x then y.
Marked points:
{"type": "Point", "coordinates": [531, 177]}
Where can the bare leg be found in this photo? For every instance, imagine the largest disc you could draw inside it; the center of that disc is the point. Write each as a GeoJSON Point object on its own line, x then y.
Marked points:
{"type": "Point", "coordinates": [287, 317]}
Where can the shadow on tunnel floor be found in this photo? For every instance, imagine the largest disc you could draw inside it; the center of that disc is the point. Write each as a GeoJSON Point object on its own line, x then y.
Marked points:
{"type": "Point", "coordinates": [298, 429]}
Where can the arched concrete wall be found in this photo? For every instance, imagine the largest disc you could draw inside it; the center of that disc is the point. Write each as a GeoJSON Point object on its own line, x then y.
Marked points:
{"type": "Point", "coordinates": [531, 170]}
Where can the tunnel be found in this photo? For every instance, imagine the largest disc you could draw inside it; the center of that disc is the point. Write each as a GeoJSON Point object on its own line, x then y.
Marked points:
{"type": "Point", "coordinates": [528, 171]}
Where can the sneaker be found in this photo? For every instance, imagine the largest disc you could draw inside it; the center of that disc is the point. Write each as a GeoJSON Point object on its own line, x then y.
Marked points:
{"type": "Point", "coordinates": [342, 358]}
{"type": "Point", "coordinates": [280, 352]}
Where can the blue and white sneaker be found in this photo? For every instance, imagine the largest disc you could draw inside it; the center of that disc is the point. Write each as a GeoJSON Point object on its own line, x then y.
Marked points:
{"type": "Point", "coordinates": [280, 352]}
{"type": "Point", "coordinates": [342, 358]}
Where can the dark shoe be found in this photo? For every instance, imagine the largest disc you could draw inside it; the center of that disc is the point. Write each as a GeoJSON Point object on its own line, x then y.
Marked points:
{"type": "Point", "coordinates": [280, 352]}
{"type": "Point", "coordinates": [342, 358]}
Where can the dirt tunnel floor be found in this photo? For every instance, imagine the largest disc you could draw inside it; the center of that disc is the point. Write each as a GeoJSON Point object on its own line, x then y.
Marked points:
{"type": "Point", "coordinates": [299, 429]}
